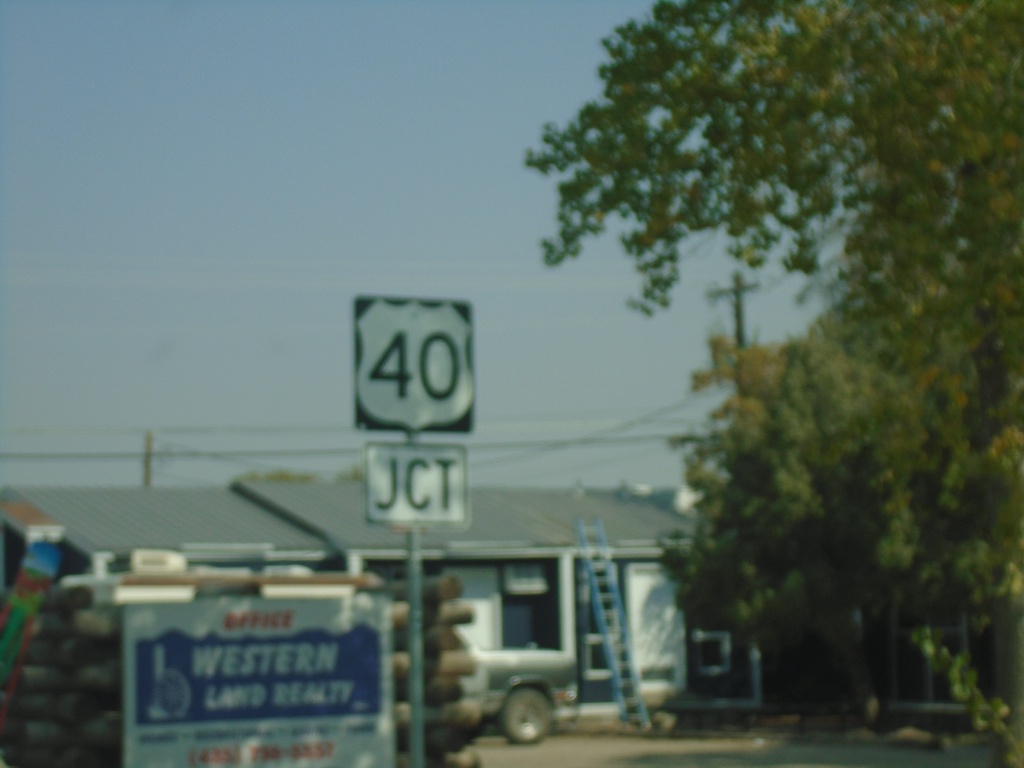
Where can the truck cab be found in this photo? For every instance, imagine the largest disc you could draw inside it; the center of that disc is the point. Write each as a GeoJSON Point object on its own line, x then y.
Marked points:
{"type": "Point", "coordinates": [523, 691]}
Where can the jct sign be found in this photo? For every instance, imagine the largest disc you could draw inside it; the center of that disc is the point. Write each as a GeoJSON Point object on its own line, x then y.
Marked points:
{"type": "Point", "coordinates": [414, 364]}
{"type": "Point", "coordinates": [413, 484]}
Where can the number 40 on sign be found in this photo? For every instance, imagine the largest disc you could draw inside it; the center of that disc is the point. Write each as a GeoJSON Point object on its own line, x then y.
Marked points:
{"type": "Point", "coordinates": [414, 364]}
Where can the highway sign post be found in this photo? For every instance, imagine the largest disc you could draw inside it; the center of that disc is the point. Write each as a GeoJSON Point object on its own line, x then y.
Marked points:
{"type": "Point", "coordinates": [414, 373]}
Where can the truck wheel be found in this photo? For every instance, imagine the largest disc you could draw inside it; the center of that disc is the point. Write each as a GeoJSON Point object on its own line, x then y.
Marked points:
{"type": "Point", "coordinates": [526, 717]}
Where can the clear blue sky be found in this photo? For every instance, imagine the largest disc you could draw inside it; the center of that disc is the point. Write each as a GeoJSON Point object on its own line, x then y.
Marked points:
{"type": "Point", "coordinates": [192, 194]}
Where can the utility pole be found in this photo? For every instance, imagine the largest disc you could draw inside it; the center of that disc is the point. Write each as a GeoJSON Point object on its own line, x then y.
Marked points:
{"type": "Point", "coordinates": [735, 294]}
{"type": "Point", "coordinates": [147, 461]}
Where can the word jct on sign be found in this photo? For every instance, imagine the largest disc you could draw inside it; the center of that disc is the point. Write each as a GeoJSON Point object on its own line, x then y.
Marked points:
{"type": "Point", "coordinates": [415, 484]}
{"type": "Point", "coordinates": [416, 487]}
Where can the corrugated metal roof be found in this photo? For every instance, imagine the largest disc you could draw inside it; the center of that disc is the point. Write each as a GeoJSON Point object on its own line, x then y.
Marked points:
{"type": "Point", "coordinates": [304, 517]}
{"type": "Point", "coordinates": [121, 519]}
{"type": "Point", "coordinates": [501, 518]}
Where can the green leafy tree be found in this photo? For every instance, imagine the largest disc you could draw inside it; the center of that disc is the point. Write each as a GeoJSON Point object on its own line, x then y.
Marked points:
{"type": "Point", "coordinates": [887, 133]}
{"type": "Point", "coordinates": [791, 518]}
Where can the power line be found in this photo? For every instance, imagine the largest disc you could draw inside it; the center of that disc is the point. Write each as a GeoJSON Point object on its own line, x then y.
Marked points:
{"type": "Point", "coordinates": [528, 422]}
{"type": "Point", "coordinates": [164, 452]}
{"type": "Point", "coordinates": [244, 453]}
{"type": "Point", "coordinates": [559, 419]}
{"type": "Point", "coordinates": [568, 470]}
{"type": "Point", "coordinates": [240, 463]}
{"type": "Point", "coordinates": [601, 436]}
{"type": "Point", "coordinates": [159, 454]}
{"type": "Point", "coordinates": [196, 430]}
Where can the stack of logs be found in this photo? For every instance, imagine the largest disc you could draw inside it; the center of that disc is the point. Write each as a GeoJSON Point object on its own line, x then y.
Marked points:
{"type": "Point", "coordinates": [450, 722]}
{"type": "Point", "coordinates": [66, 711]}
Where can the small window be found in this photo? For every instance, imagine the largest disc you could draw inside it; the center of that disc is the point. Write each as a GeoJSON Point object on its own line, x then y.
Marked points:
{"type": "Point", "coordinates": [525, 579]}
{"type": "Point", "coordinates": [595, 660]}
{"type": "Point", "coordinates": [712, 652]}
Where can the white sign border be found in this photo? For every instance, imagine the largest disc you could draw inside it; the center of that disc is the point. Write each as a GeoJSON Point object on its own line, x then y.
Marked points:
{"type": "Point", "coordinates": [404, 524]}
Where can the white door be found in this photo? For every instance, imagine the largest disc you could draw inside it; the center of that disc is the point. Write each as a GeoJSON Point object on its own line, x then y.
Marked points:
{"type": "Point", "coordinates": [656, 626]}
{"type": "Point", "coordinates": [482, 588]}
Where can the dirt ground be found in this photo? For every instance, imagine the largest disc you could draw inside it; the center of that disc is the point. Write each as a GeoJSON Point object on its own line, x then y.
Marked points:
{"type": "Point", "coordinates": [748, 751]}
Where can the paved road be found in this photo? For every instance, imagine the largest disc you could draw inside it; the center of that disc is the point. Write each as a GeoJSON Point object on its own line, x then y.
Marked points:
{"type": "Point", "coordinates": [598, 751]}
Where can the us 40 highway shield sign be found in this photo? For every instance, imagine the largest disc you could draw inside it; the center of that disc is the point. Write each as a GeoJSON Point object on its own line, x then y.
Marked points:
{"type": "Point", "coordinates": [414, 364]}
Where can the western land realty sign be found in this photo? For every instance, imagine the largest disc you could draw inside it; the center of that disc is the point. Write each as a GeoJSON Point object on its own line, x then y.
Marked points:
{"type": "Point", "coordinates": [248, 681]}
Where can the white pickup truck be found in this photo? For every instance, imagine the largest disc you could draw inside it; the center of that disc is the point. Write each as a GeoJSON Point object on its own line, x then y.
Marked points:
{"type": "Point", "coordinates": [523, 691]}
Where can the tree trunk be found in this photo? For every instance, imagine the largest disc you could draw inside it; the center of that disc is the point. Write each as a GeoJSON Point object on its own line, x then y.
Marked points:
{"type": "Point", "coordinates": [984, 426]}
{"type": "Point", "coordinates": [846, 640]}
{"type": "Point", "coordinates": [1008, 631]}
{"type": "Point", "coordinates": [861, 684]}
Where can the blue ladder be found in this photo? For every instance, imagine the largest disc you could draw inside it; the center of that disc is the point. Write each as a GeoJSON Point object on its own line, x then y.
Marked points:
{"type": "Point", "coordinates": [610, 616]}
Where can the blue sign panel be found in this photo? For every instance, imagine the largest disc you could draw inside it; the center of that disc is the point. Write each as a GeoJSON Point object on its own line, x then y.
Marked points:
{"type": "Point", "coordinates": [185, 679]}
